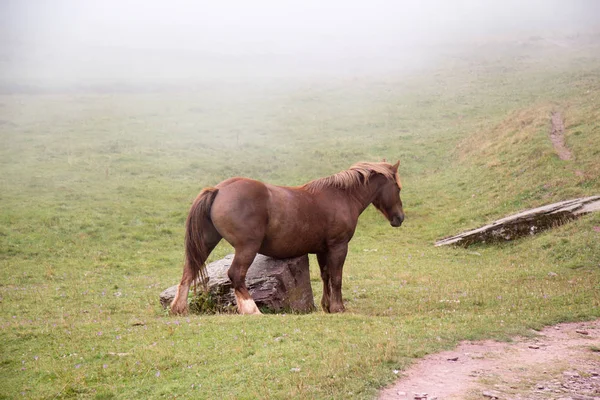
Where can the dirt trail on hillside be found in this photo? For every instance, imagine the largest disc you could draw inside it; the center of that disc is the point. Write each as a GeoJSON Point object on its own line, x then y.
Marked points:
{"type": "Point", "coordinates": [561, 362]}
{"type": "Point", "coordinates": [557, 136]}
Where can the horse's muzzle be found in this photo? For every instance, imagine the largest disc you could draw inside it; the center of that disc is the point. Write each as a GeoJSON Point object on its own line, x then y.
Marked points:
{"type": "Point", "coordinates": [396, 221]}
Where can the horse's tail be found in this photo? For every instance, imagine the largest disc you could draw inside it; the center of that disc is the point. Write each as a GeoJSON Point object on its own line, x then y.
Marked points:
{"type": "Point", "coordinates": [198, 220]}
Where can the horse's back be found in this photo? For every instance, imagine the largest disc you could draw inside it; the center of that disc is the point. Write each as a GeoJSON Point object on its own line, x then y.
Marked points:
{"type": "Point", "coordinates": [284, 220]}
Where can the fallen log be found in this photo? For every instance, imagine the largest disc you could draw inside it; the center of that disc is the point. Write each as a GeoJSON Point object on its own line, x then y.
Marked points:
{"type": "Point", "coordinates": [275, 285]}
{"type": "Point", "coordinates": [526, 223]}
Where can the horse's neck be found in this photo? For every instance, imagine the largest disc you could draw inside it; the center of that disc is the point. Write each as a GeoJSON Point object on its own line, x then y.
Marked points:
{"type": "Point", "coordinates": [364, 195]}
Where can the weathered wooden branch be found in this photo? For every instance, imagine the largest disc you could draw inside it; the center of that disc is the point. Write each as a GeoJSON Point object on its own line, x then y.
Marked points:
{"type": "Point", "coordinates": [526, 223]}
{"type": "Point", "coordinates": [275, 285]}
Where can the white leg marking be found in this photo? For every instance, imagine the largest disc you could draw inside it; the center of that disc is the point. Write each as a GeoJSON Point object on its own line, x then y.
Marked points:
{"type": "Point", "coordinates": [179, 304]}
{"type": "Point", "coordinates": [246, 306]}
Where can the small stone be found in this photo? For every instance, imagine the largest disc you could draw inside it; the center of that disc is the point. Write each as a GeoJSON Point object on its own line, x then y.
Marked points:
{"type": "Point", "coordinates": [571, 374]}
{"type": "Point", "coordinates": [552, 274]}
{"type": "Point", "coordinates": [420, 396]}
{"type": "Point", "coordinates": [582, 332]}
{"type": "Point", "coordinates": [491, 394]}
{"type": "Point", "coordinates": [402, 394]}
{"type": "Point", "coordinates": [453, 359]}
{"type": "Point", "coordinates": [534, 346]}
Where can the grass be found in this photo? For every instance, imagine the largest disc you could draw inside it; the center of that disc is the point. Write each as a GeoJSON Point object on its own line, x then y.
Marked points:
{"type": "Point", "coordinates": [95, 188]}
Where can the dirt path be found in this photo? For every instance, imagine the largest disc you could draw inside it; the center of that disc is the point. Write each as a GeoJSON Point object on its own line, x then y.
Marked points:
{"type": "Point", "coordinates": [557, 136]}
{"type": "Point", "coordinates": [561, 362]}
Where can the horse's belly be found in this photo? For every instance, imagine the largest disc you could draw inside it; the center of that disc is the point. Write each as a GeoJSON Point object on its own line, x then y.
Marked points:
{"type": "Point", "coordinates": [278, 252]}
{"type": "Point", "coordinates": [286, 245]}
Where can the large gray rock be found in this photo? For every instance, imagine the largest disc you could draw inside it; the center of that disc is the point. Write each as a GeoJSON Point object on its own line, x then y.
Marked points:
{"type": "Point", "coordinates": [526, 223]}
{"type": "Point", "coordinates": [275, 285]}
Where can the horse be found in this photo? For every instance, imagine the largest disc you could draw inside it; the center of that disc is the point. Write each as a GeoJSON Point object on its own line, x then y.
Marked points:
{"type": "Point", "coordinates": [319, 217]}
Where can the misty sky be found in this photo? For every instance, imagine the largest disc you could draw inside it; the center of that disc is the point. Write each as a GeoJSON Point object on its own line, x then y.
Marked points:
{"type": "Point", "coordinates": [79, 40]}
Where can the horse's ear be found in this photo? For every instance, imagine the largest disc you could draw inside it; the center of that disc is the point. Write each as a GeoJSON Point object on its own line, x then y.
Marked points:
{"type": "Point", "coordinates": [395, 166]}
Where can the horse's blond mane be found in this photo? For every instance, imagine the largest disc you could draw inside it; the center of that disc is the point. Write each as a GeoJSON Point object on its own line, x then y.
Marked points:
{"type": "Point", "coordinates": [355, 176]}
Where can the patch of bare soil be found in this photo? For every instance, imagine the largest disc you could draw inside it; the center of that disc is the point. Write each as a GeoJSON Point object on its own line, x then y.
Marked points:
{"type": "Point", "coordinates": [560, 362]}
{"type": "Point", "coordinates": [557, 136]}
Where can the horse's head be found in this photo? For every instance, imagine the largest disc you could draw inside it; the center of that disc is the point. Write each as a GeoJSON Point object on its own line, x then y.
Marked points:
{"type": "Point", "coordinates": [387, 200]}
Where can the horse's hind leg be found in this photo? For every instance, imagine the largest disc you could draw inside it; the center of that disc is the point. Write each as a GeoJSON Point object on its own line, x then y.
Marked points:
{"type": "Point", "coordinates": [179, 304]}
{"type": "Point", "coordinates": [237, 274]}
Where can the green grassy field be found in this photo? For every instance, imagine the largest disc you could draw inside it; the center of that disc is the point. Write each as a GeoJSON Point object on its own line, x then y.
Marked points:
{"type": "Point", "coordinates": [95, 189]}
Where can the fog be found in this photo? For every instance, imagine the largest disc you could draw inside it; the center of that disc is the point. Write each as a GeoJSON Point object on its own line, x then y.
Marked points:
{"type": "Point", "coordinates": [85, 42]}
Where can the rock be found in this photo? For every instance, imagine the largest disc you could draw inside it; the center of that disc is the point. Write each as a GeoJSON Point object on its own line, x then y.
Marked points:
{"type": "Point", "coordinates": [275, 285]}
{"type": "Point", "coordinates": [582, 332]}
{"type": "Point", "coordinates": [526, 223]}
{"type": "Point", "coordinates": [167, 296]}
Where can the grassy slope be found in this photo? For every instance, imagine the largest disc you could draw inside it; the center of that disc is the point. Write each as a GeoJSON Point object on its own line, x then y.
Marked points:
{"type": "Point", "coordinates": [94, 190]}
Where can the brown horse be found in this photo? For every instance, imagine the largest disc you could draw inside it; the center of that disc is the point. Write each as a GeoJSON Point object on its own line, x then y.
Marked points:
{"type": "Point", "coordinates": [318, 217]}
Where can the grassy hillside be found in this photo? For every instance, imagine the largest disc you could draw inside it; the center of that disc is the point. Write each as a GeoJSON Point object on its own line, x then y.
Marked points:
{"type": "Point", "coordinates": [95, 188]}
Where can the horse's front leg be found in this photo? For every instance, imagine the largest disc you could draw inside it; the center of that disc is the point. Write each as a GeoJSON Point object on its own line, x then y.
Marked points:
{"type": "Point", "coordinates": [335, 263]}
{"type": "Point", "coordinates": [322, 259]}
